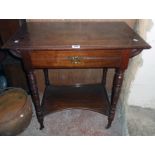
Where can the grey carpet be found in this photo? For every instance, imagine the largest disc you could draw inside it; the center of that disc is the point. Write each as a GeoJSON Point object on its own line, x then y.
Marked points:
{"type": "Point", "coordinates": [141, 121]}
{"type": "Point", "coordinates": [76, 123]}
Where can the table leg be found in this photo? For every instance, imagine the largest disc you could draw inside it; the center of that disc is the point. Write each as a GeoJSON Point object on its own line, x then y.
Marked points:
{"type": "Point", "coordinates": [35, 97]}
{"type": "Point", "coordinates": [117, 83]}
{"type": "Point", "coordinates": [104, 75]}
{"type": "Point", "coordinates": [47, 81]}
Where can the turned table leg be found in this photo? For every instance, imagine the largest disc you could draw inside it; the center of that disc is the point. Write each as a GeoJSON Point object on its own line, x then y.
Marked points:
{"type": "Point", "coordinates": [117, 83]}
{"type": "Point", "coordinates": [35, 97]}
{"type": "Point", "coordinates": [47, 82]}
{"type": "Point", "coordinates": [104, 75]}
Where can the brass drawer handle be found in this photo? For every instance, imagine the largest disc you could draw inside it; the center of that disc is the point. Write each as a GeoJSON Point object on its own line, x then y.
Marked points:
{"type": "Point", "coordinates": [75, 59]}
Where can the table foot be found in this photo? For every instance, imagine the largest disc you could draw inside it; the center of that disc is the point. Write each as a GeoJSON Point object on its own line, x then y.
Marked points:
{"type": "Point", "coordinates": [41, 126]}
{"type": "Point", "coordinates": [117, 83]}
{"type": "Point", "coordinates": [109, 123]}
{"type": "Point", "coordinates": [35, 97]}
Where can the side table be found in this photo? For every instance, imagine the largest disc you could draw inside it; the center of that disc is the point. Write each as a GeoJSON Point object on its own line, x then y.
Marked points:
{"type": "Point", "coordinates": [71, 45]}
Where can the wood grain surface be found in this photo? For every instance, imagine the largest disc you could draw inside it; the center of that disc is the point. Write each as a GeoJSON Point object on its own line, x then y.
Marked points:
{"type": "Point", "coordinates": [71, 76]}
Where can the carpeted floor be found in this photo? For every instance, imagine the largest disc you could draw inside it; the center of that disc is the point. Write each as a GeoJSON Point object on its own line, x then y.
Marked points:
{"type": "Point", "coordinates": [141, 121]}
{"type": "Point", "coordinates": [137, 121]}
{"type": "Point", "coordinates": [76, 123]}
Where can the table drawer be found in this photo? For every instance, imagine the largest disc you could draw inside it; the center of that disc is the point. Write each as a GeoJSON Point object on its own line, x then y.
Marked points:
{"type": "Point", "coordinates": [75, 59]}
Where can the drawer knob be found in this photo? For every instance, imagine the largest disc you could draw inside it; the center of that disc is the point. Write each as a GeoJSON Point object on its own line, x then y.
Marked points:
{"type": "Point", "coordinates": [75, 59]}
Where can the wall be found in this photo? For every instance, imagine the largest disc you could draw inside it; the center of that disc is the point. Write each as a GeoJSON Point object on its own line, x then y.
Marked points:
{"type": "Point", "coordinates": [142, 89]}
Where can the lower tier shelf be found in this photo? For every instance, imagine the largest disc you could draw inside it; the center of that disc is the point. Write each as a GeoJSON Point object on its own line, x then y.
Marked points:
{"type": "Point", "coordinates": [89, 97]}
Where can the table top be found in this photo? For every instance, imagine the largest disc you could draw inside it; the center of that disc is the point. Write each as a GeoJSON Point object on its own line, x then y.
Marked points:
{"type": "Point", "coordinates": [75, 35]}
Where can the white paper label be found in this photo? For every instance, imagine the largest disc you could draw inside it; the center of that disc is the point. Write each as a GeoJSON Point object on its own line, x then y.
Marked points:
{"type": "Point", "coordinates": [75, 46]}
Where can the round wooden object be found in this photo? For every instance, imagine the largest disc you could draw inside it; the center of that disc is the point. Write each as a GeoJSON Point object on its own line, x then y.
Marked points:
{"type": "Point", "coordinates": [15, 111]}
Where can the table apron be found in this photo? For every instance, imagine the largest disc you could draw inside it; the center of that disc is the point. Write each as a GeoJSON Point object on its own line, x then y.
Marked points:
{"type": "Point", "coordinates": [76, 59]}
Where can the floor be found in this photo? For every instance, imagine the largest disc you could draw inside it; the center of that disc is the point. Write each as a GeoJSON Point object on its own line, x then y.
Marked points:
{"type": "Point", "coordinates": [76, 123]}
{"type": "Point", "coordinates": [73, 123]}
{"type": "Point", "coordinates": [139, 122]}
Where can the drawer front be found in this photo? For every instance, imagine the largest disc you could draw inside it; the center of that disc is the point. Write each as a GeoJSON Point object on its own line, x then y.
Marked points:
{"type": "Point", "coordinates": [75, 59]}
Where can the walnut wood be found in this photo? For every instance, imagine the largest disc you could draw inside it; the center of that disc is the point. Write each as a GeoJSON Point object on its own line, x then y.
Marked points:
{"type": "Point", "coordinates": [88, 97]}
{"type": "Point", "coordinates": [73, 76]}
{"type": "Point", "coordinates": [82, 76]}
{"type": "Point", "coordinates": [47, 81]}
{"type": "Point", "coordinates": [100, 45]}
{"type": "Point", "coordinates": [104, 75]}
{"type": "Point", "coordinates": [62, 35]}
{"type": "Point", "coordinates": [88, 59]}
{"type": "Point", "coordinates": [7, 28]}
{"type": "Point", "coordinates": [117, 83]}
{"type": "Point", "coordinates": [33, 86]}
{"type": "Point", "coordinates": [35, 97]}
{"type": "Point", "coordinates": [135, 52]}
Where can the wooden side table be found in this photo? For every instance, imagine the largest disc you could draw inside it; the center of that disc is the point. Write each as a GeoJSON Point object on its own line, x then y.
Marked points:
{"type": "Point", "coordinates": [76, 45]}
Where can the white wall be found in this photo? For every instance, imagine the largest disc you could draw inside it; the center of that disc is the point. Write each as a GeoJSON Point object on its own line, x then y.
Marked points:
{"type": "Point", "coordinates": [142, 90]}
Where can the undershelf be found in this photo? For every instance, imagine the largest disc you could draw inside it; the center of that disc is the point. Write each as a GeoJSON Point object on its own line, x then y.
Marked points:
{"type": "Point", "coordinates": [89, 97]}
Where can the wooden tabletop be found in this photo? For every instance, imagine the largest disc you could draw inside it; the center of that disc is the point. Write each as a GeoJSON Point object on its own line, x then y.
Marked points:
{"type": "Point", "coordinates": [69, 35]}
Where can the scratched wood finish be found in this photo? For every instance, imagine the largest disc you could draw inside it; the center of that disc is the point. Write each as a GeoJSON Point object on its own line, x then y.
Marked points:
{"type": "Point", "coordinates": [46, 45]}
